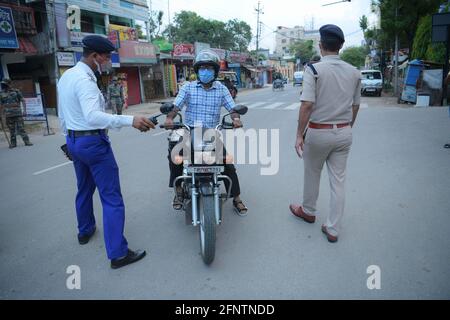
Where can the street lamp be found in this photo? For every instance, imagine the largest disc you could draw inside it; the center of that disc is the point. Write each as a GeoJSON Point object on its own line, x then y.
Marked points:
{"type": "Point", "coordinates": [329, 4]}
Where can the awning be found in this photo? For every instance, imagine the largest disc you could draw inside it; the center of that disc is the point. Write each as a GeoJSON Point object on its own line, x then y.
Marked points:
{"type": "Point", "coordinates": [249, 67]}
{"type": "Point", "coordinates": [26, 46]}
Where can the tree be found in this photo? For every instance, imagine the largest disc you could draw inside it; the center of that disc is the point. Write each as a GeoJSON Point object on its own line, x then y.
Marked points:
{"type": "Point", "coordinates": [356, 56]}
{"type": "Point", "coordinates": [363, 23]}
{"type": "Point", "coordinates": [190, 27]}
{"type": "Point", "coordinates": [154, 24]}
{"type": "Point", "coordinates": [402, 17]}
{"type": "Point", "coordinates": [303, 49]}
{"type": "Point", "coordinates": [422, 46]}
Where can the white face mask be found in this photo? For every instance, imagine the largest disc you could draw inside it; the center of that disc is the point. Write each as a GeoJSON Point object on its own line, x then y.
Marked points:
{"type": "Point", "coordinates": [98, 65]}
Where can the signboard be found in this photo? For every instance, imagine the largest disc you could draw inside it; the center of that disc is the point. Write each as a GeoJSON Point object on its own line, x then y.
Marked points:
{"type": "Point", "coordinates": [125, 33]}
{"type": "Point", "coordinates": [185, 50]}
{"type": "Point", "coordinates": [440, 25]}
{"type": "Point", "coordinates": [114, 37]}
{"type": "Point", "coordinates": [8, 36]}
{"type": "Point", "coordinates": [34, 109]}
{"type": "Point", "coordinates": [66, 59]}
{"type": "Point", "coordinates": [133, 52]}
{"type": "Point", "coordinates": [220, 52]}
{"type": "Point", "coordinates": [237, 57]}
{"type": "Point", "coordinates": [132, 9]}
{"type": "Point", "coordinates": [163, 45]}
{"type": "Point", "coordinates": [200, 46]}
{"type": "Point", "coordinates": [77, 37]}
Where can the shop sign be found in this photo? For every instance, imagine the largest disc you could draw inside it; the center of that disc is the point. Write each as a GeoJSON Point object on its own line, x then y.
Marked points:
{"type": "Point", "coordinates": [185, 50]}
{"type": "Point", "coordinates": [137, 52]}
{"type": "Point", "coordinates": [8, 36]}
{"type": "Point", "coordinates": [34, 109]}
{"type": "Point", "coordinates": [66, 59]}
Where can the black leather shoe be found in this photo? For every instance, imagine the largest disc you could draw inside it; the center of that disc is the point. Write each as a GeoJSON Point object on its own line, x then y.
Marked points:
{"type": "Point", "coordinates": [131, 257]}
{"type": "Point", "coordinates": [85, 239]}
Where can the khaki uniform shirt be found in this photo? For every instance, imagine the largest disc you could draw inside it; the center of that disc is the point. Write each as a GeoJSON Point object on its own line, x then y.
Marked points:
{"type": "Point", "coordinates": [334, 91]}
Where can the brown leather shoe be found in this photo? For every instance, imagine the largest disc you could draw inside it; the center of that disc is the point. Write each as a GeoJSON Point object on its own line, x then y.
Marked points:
{"type": "Point", "coordinates": [330, 237]}
{"type": "Point", "coordinates": [298, 212]}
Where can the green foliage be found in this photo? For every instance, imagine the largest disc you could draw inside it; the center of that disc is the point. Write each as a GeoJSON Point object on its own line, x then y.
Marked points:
{"type": "Point", "coordinates": [356, 56]}
{"type": "Point", "coordinates": [363, 23]}
{"type": "Point", "coordinates": [190, 27]}
{"type": "Point", "coordinates": [423, 48]}
{"type": "Point", "coordinates": [402, 17]}
{"type": "Point", "coordinates": [155, 22]}
{"type": "Point", "coordinates": [303, 49]}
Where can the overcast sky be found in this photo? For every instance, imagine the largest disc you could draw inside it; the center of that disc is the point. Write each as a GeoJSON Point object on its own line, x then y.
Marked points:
{"type": "Point", "coordinates": [287, 13]}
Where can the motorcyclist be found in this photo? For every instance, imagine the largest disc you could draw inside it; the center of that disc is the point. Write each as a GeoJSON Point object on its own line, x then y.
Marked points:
{"type": "Point", "coordinates": [203, 99]}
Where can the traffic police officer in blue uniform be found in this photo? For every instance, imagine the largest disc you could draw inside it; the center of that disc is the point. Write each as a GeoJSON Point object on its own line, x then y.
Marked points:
{"type": "Point", "coordinates": [84, 122]}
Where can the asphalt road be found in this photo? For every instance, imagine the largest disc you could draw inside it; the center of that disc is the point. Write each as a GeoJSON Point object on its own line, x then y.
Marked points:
{"type": "Point", "coordinates": [397, 217]}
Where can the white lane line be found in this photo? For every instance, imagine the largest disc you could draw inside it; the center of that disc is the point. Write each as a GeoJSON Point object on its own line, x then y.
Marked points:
{"type": "Point", "coordinates": [257, 104]}
{"type": "Point", "coordinates": [364, 106]}
{"type": "Point", "coordinates": [293, 106]}
{"type": "Point", "coordinates": [274, 105]}
{"type": "Point", "coordinates": [51, 168]}
{"type": "Point", "coordinates": [159, 133]}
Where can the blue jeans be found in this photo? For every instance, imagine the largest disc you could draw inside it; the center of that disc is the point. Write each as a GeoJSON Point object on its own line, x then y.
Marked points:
{"type": "Point", "coordinates": [96, 167]}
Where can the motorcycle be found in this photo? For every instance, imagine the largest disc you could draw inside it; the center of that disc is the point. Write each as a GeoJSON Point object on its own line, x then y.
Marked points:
{"type": "Point", "coordinates": [278, 84]}
{"type": "Point", "coordinates": [202, 176]}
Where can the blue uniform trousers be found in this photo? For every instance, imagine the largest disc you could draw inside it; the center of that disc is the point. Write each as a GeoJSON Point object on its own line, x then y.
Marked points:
{"type": "Point", "coordinates": [95, 166]}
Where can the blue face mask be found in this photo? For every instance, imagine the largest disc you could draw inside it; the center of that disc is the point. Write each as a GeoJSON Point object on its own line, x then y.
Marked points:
{"type": "Point", "coordinates": [206, 75]}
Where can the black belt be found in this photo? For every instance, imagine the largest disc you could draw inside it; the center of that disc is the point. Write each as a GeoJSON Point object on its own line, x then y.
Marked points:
{"type": "Point", "coordinates": [82, 133]}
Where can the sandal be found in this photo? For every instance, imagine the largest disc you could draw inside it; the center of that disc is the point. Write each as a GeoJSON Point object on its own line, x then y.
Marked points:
{"type": "Point", "coordinates": [240, 208]}
{"type": "Point", "coordinates": [177, 202]}
{"type": "Point", "coordinates": [447, 145]}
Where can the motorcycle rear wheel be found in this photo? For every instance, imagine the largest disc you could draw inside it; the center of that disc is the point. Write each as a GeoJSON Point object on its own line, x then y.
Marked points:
{"type": "Point", "coordinates": [207, 228]}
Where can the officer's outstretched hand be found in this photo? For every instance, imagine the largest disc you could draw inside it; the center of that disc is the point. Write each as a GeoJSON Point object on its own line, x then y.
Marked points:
{"type": "Point", "coordinates": [142, 123]}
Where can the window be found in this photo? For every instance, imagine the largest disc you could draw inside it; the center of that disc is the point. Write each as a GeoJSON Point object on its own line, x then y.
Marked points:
{"type": "Point", "coordinates": [283, 41]}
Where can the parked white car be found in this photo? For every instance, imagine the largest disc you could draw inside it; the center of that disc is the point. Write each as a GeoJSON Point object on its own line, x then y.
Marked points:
{"type": "Point", "coordinates": [371, 82]}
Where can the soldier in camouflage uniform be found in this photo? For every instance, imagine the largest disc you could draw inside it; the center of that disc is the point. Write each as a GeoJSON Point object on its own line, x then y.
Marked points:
{"type": "Point", "coordinates": [10, 99]}
{"type": "Point", "coordinates": [115, 96]}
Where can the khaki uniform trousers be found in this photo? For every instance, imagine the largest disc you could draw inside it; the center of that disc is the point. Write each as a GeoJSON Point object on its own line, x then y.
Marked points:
{"type": "Point", "coordinates": [330, 146]}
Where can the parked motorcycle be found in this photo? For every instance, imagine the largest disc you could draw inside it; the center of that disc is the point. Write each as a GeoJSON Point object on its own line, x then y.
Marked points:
{"type": "Point", "coordinates": [202, 175]}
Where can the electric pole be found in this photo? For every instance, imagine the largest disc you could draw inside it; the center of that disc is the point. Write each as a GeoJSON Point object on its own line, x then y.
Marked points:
{"type": "Point", "coordinates": [396, 53]}
{"type": "Point", "coordinates": [259, 11]}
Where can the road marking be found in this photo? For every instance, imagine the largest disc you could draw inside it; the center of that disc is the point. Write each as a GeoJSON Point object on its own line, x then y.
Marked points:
{"type": "Point", "coordinates": [257, 104]}
{"type": "Point", "coordinates": [273, 105]}
{"type": "Point", "coordinates": [51, 168]}
{"type": "Point", "coordinates": [159, 133]}
{"type": "Point", "coordinates": [364, 106]}
{"type": "Point", "coordinates": [293, 106]}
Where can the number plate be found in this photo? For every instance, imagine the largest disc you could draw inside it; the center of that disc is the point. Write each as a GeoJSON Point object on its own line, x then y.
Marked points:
{"type": "Point", "coordinates": [370, 89]}
{"type": "Point", "coordinates": [215, 169]}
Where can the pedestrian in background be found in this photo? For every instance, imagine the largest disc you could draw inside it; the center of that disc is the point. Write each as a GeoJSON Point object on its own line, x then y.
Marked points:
{"type": "Point", "coordinates": [84, 122]}
{"type": "Point", "coordinates": [330, 104]}
{"type": "Point", "coordinates": [10, 99]}
{"type": "Point", "coordinates": [115, 96]}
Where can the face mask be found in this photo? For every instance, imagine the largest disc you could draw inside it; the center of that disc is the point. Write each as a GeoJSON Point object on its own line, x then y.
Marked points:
{"type": "Point", "coordinates": [206, 75]}
{"type": "Point", "coordinates": [97, 64]}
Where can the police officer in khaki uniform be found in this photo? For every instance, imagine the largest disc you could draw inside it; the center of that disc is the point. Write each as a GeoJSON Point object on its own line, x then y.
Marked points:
{"type": "Point", "coordinates": [115, 96]}
{"type": "Point", "coordinates": [330, 104]}
{"type": "Point", "coordinates": [10, 100]}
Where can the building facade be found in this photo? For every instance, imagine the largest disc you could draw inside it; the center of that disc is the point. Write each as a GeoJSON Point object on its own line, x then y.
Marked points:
{"type": "Point", "coordinates": [285, 37]}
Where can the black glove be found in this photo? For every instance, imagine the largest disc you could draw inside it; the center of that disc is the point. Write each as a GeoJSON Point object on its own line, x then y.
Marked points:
{"type": "Point", "coordinates": [66, 152]}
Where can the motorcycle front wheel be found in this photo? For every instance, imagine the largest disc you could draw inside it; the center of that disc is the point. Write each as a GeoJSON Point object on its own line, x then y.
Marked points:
{"type": "Point", "coordinates": [207, 228]}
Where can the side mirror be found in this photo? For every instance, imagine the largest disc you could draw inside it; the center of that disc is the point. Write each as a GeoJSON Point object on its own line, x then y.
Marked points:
{"type": "Point", "coordinates": [240, 109]}
{"type": "Point", "coordinates": [166, 108]}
